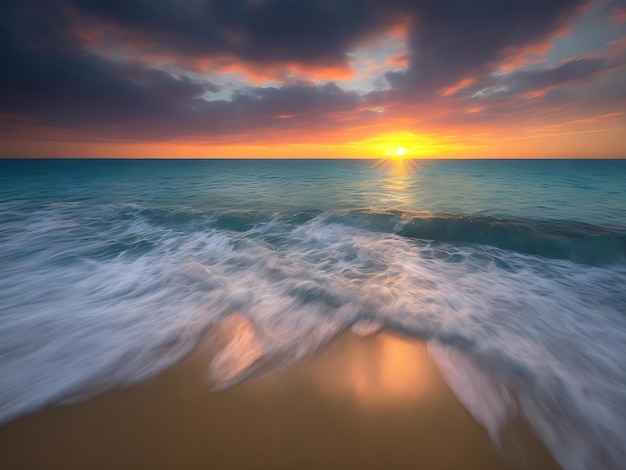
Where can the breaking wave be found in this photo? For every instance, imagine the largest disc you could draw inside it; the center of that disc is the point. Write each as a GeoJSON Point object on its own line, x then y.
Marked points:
{"type": "Point", "coordinates": [96, 296]}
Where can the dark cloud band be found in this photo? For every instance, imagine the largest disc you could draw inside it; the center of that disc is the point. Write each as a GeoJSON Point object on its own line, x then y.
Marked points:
{"type": "Point", "coordinates": [63, 63]}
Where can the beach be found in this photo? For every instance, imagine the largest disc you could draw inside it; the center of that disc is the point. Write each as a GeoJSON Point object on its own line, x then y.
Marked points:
{"type": "Point", "coordinates": [373, 402]}
{"type": "Point", "coordinates": [313, 234]}
{"type": "Point", "coordinates": [163, 314]}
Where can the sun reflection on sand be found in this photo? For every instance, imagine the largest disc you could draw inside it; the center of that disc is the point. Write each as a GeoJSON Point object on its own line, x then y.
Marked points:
{"type": "Point", "coordinates": [381, 370]}
{"type": "Point", "coordinates": [377, 370]}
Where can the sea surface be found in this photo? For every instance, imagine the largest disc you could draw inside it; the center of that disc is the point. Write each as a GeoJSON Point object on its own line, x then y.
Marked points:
{"type": "Point", "coordinates": [513, 272]}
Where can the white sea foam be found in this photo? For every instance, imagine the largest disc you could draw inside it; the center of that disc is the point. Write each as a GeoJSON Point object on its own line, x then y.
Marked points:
{"type": "Point", "coordinates": [134, 296]}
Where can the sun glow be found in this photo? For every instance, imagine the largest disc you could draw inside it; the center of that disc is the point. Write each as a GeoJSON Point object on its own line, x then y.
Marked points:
{"type": "Point", "coordinates": [408, 146]}
{"type": "Point", "coordinates": [397, 146]}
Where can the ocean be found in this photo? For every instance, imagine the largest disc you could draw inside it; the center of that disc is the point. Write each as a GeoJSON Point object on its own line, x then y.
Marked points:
{"type": "Point", "coordinates": [513, 272]}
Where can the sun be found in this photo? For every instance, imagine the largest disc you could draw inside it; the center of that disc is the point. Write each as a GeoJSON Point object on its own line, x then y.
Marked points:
{"type": "Point", "coordinates": [400, 151]}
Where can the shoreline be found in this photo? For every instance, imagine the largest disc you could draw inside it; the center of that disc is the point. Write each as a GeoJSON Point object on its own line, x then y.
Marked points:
{"type": "Point", "coordinates": [360, 402]}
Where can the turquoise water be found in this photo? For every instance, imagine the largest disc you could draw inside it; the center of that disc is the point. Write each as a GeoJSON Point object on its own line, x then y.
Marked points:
{"type": "Point", "coordinates": [111, 270]}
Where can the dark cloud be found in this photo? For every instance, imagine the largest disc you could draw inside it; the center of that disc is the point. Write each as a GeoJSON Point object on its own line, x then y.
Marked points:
{"type": "Point", "coordinates": [532, 98]}
{"type": "Point", "coordinates": [75, 88]}
{"type": "Point", "coordinates": [315, 32]}
{"type": "Point", "coordinates": [576, 70]}
{"type": "Point", "coordinates": [448, 38]}
{"type": "Point", "coordinates": [55, 73]}
{"type": "Point", "coordinates": [294, 106]}
{"type": "Point", "coordinates": [72, 88]}
{"type": "Point", "coordinates": [59, 83]}
{"type": "Point", "coordinates": [296, 98]}
{"type": "Point", "coordinates": [512, 85]}
{"type": "Point", "coordinates": [452, 40]}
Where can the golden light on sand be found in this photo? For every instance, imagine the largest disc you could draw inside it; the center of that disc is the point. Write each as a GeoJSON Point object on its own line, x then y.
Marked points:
{"type": "Point", "coordinates": [382, 370]}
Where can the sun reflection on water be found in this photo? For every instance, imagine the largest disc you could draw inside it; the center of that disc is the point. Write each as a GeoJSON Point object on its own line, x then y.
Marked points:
{"type": "Point", "coordinates": [397, 183]}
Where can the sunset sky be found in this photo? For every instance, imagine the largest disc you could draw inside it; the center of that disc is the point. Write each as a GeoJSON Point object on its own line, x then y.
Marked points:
{"type": "Point", "coordinates": [321, 79]}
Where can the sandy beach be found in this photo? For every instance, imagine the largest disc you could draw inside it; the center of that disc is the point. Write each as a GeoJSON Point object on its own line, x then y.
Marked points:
{"type": "Point", "coordinates": [361, 402]}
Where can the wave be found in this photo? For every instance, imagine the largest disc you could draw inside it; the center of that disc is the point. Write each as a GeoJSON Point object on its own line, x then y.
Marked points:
{"type": "Point", "coordinates": [569, 240]}
{"type": "Point", "coordinates": [555, 239]}
{"type": "Point", "coordinates": [95, 297]}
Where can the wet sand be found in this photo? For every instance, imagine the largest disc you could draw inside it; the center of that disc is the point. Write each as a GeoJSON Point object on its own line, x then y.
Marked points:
{"type": "Point", "coordinates": [374, 402]}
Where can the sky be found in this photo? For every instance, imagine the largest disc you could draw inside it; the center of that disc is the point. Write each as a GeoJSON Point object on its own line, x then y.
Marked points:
{"type": "Point", "coordinates": [313, 79]}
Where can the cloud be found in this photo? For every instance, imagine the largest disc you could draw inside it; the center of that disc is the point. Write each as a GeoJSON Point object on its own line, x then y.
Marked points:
{"type": "Point", "coordinates": [72, 88]}
{"type": "Point", "coordinates": [76, 88]}
{"type": "Point", "coordinates": [537, 80]}
{"type": "Point", "coordinates": [317, 34]}
{"type": "Point", "coordinates": [451, 40]}
{"type": "Point", "coordinates": [138, 70]}
{"type": "Point", "coordinates": [51, 78]}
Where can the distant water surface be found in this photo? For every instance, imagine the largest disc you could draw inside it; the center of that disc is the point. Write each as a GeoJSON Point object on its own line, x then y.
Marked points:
{"type": "Point", "coordinates": [512, 271]}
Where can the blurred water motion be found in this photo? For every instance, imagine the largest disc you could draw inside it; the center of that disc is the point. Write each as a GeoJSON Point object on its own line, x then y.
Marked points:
{"type": "Point", "coordinates": [240, 349]}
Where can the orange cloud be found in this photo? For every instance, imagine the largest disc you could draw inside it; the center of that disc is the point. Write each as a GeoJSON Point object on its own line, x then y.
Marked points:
{"type": "Point", "coordinates": [516, 57]}
{"type": "Point", "coordinates": [262, 73]}
{"type": "Point", "coordinates": [530, 54]}
{"type": "Point", "coordinates": [399, 60]}
{"type": "Point", "coordinates": [458, 86]}
{"type": "Point", "coordinates": [615, 49]}
{"type": "Point", "coordinates": [619, 16]}
{"type": "Point", "coordinates": [401, 28]}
